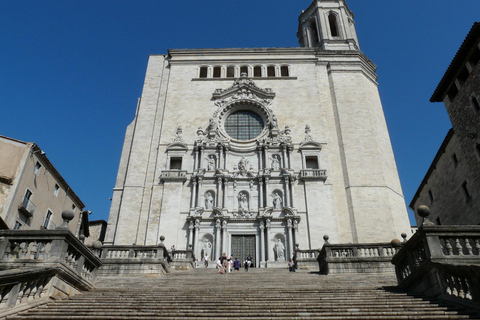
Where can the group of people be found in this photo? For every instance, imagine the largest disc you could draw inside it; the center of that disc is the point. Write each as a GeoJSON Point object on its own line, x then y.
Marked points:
{"type": "Point", "coordinates": [225, 264]}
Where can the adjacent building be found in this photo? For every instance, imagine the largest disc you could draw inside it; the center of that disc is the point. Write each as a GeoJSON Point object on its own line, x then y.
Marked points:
{"type": "Point", "coordinates": [252, 151]}
{"type": "Point", "coordinates": [451, 186]}
{"type": "Point", "coordinates": [33, 194]}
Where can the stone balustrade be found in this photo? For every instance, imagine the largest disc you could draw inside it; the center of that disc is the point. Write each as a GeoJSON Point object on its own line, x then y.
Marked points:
{"type": "Point", "coordinates": [350, 258]}
{"type": "Point", "coordinates": [33, 248]}
{"type": "Point", "coordinates": [133, 259]}
{"type": "Point", "coordinates": [441, 261]}
{"type": "Point", "coordinates": [306, 259]}
{"type": "Point", "coordinates": [313, 174]}
{"type": "Point", "coordinates": [39, 264]}
{"type": "Point", "coordinates": [173, 175]}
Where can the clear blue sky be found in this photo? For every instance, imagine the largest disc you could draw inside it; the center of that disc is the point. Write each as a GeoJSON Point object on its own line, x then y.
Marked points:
{"type": "Point", "coordinates": [71, 71]}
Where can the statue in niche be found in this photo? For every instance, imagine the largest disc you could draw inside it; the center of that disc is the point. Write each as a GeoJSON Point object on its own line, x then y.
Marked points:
{"type": "Point", "coordinates": [213, 124]}
{"type": "Point", "coordinates": [211, 162]}
{"type": "Point", "coordinates": [242, 202]}
{"type": "Point", "coordinates": [243, 164]}
{"type": "Point", "coordinates": [277, 201]}
{"type": "Point", "coordinates": [207, 249]}
{"type": "Point", "coordinates": [208, 201]}
{"type": "Point", "coordinates": [275, 162]}
{"type": "Point", "coordinates": [279, 250]}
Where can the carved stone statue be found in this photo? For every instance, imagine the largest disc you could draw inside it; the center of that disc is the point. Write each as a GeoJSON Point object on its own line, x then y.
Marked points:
{"type": "Point", "coordinates": [210, 162]}
{"type": "Point", "coordinates": [277, 201]}
{"type": "Point", "coordinates": [242, 202]}
{"type": "Point", "coordinates": [275, 162]}
{"type": "Point", "coordinates": [207, 249]}
{"type": "Point", "coordinates": [279, 250]}
{"type": "Point", "coordinates": [243, 164]}
{"type": "Point", "coordinates": [208, 201]}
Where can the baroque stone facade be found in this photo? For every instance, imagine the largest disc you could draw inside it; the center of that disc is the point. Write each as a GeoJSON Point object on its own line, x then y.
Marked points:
{"type": "Point", "coordinates": [450, 187]}
{"type": "Point", "coordinates": [251, 151]}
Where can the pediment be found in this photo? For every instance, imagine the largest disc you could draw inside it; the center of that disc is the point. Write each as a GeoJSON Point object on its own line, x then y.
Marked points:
{"type": "Point", "coordinates": [244, 88]}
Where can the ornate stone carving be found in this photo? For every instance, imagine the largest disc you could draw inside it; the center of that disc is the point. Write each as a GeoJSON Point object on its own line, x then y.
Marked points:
{"type": "Point", "coordinates": [178, 136]}
{"type": "Point", "coordinates": [208, 200]}
{"type": "Point", "coordinates": [197, 212]}
{"type": "Point", "coordinates": [275, 162]}
{"type": "Point", "coordinates": [279, 249]}
{"type": "Point", "coordinates": [211, 162]}
{"type": "Point", "coordinates": [277, 200]}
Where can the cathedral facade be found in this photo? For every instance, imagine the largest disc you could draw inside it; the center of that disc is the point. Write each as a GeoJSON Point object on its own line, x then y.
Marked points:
{"type": "Point", "coordinates": [253, 151]}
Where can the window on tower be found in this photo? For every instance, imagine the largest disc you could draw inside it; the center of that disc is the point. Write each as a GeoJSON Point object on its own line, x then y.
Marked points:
{"type": "Point", "coordinates": [271, 71]}
{"type": "Point", "coordinates": [332, 20]}
{"type": "Point", "coordinates": [217, 72]}
{"type": "Point", "coordinates": [314, 33]}
{"type": "Point", "coordinates": [257, 71]}
{"type": "Point", "coordinates": [203, 72]}
{"type": "Point", "coordinates": [230, 72]}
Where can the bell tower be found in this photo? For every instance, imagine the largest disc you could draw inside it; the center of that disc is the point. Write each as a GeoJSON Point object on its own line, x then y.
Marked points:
{"type": "Point", "coordinates": [329, 25]}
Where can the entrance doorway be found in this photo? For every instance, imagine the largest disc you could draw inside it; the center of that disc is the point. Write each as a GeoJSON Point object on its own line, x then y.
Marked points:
{"type": "Point", "coordinates": [242, 246]}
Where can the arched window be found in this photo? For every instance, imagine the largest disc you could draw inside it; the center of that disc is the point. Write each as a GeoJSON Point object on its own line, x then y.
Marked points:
{"type": "Point", "coordinates": [244, 125]}
{"type": "Point", "coordinates": [284, 71]}
{"type": "Point", "coordinates": [217, 72]}
{"type": "Point", "coordinates": [257, 71]}
{"type": "Point", "coordinates": [271, 71]}
{"type": "Point", "coordinates": [314, 32]}
{"type": "Point", "coordinates": [203, 72]}
{"type": "Point", "coordinates": [332, 20]}
{"type": "Point", "coordinates": [244, 69]}
{"type": "Point", "coordinates": [230, 72]}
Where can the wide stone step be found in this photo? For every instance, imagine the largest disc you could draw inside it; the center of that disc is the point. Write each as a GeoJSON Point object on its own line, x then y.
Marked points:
{"type": "Point", "coordinates": [261, 294]}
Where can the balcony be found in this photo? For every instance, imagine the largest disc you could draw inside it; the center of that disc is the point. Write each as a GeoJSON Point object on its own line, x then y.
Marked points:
{"type": "Point", "coordinates": [27, 207]}
{"type": "Point", "coordinates": [173, 175]}
{"type": "Point", "coordinates": [313, 174]}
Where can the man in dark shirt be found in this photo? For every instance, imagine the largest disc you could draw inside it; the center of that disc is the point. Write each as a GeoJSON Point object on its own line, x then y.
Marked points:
{"type": "Point", "coordinates": [236, 265]}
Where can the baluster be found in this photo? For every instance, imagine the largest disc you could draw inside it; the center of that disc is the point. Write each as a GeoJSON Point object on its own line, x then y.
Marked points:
{"type": "Point", "coordinates": [375, 252]}
{"type": "Point", "coordinates": [467, 289]}
{"type": "Point", "coordinates": [459, 247]}
{"type": "Point", "coordinates": [477, 246]}
{"type": "Point", "coordinates": [448, 280]}
{"type": "Point", "coordinates": [461, 293]}
{"type": "Point", "coordinates": [449, 247]}
{"type": "Point", "coordinates": [469, 247]}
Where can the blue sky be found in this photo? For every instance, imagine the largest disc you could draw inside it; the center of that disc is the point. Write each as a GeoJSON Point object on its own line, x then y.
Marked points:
{"type": "Point", "coordinates": [71, 71]}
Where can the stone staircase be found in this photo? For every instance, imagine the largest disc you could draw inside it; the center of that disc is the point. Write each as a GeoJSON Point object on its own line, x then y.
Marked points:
{"type": "Point", "coordinates": [258, 294]}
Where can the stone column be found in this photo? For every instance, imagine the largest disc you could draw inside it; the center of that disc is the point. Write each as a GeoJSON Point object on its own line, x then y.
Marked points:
{"type": "Point", "coordinates": [292, 189]}
{"type": "Point", "coordinates": [295, 230]}
{"type": "Point", "coordinates": [267, 191]}
{"type": "Point", "coordinates": [260, 160]}
{"type": "Point", "coordinates": [194, 191]}
{"type": "Point", "coordinates": [269, 242]}
{"type": "Point", "coordinates": [287, 191]}
{"type": "Point", "coordinates": [290, 150]}
{"type": "Point", "coordinates": [265, 149]}
{"type": "Point", "coordinates": [226, 159]}
{"type": "Point", "coordinates": [195, 242]}
{"type": "Point", "coordinates": [262, 242]}
{"type": "Point", "coordinates": [225, 236]}
{"type": "Point", "coordinates": [225, 189]}
{"type": "Point", "coordinates": [190, 234]}
{"type": "Point", "coordinates": [218, 235]}
{"type": "Point", "coordinates": [199, 191]}
{"type": "Point", "coordinates": [219, 189]}
{"type": "Point", "coordinates": [195, 164]}
{"type": "Point", "coordinates": [201, 157]}
{"type": "Point", "coordinates": [284, 152]}
{"type": "Point", "coordinates": [260, 196]}
{"type": "Point", "coordinates": [290, 239]}
{"type": "Point", "coordinates": [220, 163]}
